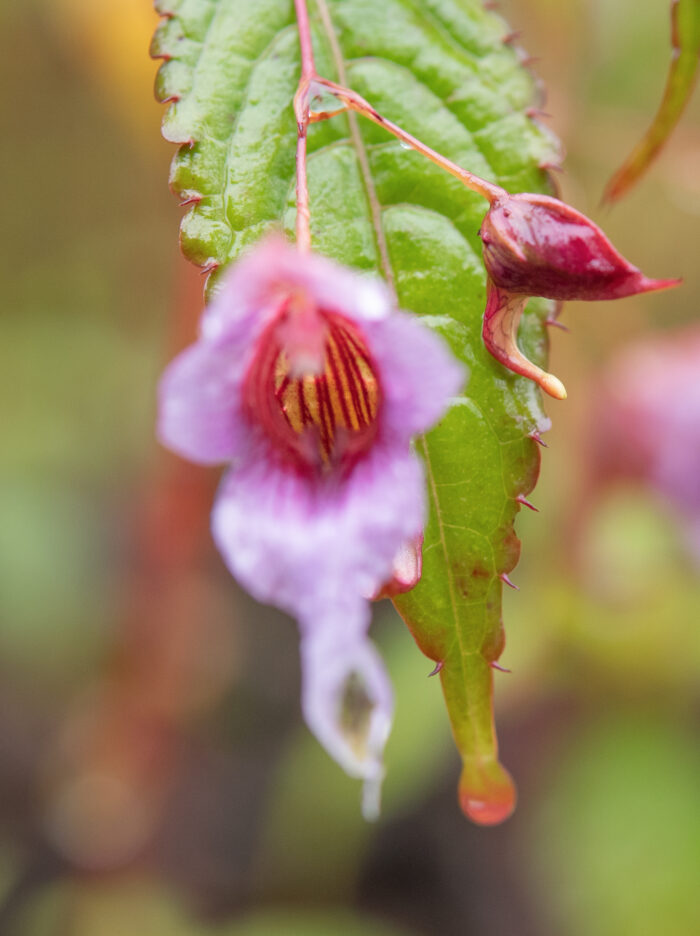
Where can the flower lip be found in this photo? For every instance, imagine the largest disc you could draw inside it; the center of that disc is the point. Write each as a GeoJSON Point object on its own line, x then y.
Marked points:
{"type": "Point", "coordinates": [536, 245]}
{"type": "Point", "coordinates": [313, 389]}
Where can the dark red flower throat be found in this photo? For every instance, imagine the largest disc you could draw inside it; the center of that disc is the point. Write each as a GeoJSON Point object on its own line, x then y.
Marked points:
{"type": "Point", "coordinates": [312, 387]}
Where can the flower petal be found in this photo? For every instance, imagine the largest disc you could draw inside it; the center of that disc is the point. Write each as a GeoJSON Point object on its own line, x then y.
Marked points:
{"type": "Point", "coordinates": [418, 373]}
{"type": "Point", "coordinates": [199, 413]}
{"type": "Point", "coordinates": [263, 277]}
{"type": "Point", "coordinates": [346, 694]}
{"type": "Point", "coordinates": [315, 551]}
{"type": "Point", "coordinates": [300, 544]}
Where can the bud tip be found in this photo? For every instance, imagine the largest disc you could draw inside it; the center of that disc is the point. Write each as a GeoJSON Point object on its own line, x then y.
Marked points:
{"type": "Point", "coordinates": [553, 386]}
{"type": "Point", "coordinates": [652, 285]}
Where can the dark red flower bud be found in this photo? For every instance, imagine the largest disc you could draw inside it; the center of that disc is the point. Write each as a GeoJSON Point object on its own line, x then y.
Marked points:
{"type": "Point", "coordinates": [535, 245]}
{"type": "Point", "coordinates": [538, 246]}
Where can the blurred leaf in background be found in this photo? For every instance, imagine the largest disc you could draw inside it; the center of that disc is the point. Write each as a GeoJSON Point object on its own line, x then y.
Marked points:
{"type": "Point", "coordinates": [618, 838]}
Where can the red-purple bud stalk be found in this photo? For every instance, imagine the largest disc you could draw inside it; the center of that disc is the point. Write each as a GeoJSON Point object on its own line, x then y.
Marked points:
{"type": "Point", "coordinates": [535, 245]}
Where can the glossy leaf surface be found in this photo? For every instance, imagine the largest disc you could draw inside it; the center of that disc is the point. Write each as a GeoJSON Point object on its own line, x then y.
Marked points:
{"type": "Point", "coordinates": [442, 70]}
{"type": "Point", "coordinates": [685, 42]}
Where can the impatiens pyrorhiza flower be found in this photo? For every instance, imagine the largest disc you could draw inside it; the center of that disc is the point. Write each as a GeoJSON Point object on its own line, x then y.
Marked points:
{"type": "Point", "coordinates": [535, 245]}
{"type": "Point", "coordinates": [646, 414]}
{"type": "Point", "coordinates": [311, 384]}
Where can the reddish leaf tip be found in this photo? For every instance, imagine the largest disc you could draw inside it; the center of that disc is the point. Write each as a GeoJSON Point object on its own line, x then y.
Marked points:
{"type": "Point", "coordinates": [487, 793]}
{"type": "Point", "coordinates": [438, 666]}
{"type": "Point", "coordinates": [497, 666]}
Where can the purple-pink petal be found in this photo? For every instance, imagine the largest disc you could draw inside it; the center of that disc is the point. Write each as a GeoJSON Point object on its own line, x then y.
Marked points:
{"type": "Point", "coordinates": [199, 413]}
{"type": "Point", "coordinates": [273, 269]}
{"type": "Point", "coordinates": [346, 694]}
{"type": "Point", "coordinates": [315, 551]}
{"type": "Point", "coordinates": [300, 544]}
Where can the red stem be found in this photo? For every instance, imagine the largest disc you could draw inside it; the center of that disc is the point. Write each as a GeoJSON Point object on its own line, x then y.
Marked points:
{"type": "Point", "coordinates": [308, 69]}
{"type": "Point", "coordinates": [301, 110]}
{"type": "Point", "coordinates": [352, 101]}
{"type": "Point", "coordinates": [355, 102]}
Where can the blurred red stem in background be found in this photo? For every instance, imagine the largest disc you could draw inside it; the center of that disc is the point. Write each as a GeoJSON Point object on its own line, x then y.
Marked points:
{"type": "Point", "coordinates": [130, 735]}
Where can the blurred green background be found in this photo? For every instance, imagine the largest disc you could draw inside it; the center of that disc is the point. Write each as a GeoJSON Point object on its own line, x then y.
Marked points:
{"type": "Point", "coordinates": [155, 775]}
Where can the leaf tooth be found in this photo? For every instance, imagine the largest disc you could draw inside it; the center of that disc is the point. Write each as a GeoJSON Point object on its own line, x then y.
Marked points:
{"type": "Point", "coordinates": [535, 113]}
{"type": "Point", "coordinates": [520, 499]}
{"type": "Point", "coordinates": [505, 578]}
{"type": "Point", "coordinates": [193, 198]}
{"type": "Point", "coordinates": [209, 267]}
{"type": "Point", "coordinates": [512, 37]}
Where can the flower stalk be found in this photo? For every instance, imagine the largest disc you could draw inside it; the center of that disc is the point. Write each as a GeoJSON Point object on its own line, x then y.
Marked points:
{"type": "Point", "coordinates": [353, 101]}
{"type": "Point", "coordinates": [301, 112]}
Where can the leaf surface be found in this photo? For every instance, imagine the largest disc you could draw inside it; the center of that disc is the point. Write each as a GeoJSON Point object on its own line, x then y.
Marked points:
{"type": "Point", "coordinates": [682, 73]}
{"type": "Point", "coordinates": [441, 69]}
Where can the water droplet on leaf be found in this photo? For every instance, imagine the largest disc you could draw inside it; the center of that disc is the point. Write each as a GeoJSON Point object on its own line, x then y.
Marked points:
{"type": "Point", "coordinates": [323, 101]}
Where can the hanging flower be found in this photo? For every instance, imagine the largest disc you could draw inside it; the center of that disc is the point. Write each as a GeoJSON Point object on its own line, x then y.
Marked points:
{"type": "Point", "coordinates": [311, 384]}
{"type": "Point", "coordinates": [535, 245]}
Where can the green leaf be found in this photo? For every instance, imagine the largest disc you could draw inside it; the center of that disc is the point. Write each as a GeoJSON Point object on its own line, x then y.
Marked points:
{"type": "Point", "coordinates": [442, 69]}
{"type": "Point", "coordinates": [685, 42]}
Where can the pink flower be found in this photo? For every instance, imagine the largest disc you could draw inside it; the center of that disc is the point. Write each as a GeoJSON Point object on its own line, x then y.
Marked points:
{"type": "Point", "coordinates": [535, 245]}
{"type": "Point", "coordinates": [308, 380]}
{"type": "Point", "coordinates": [647, 423]}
